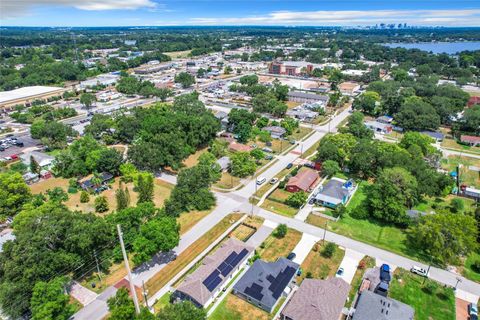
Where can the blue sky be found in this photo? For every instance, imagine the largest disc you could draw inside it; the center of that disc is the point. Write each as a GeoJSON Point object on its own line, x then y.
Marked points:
{"type": "Point", "coordinates": [233, 12]}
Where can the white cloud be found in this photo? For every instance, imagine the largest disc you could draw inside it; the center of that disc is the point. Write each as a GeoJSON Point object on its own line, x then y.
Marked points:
{"type": "Point", "coordinates": [14, 8]}
{"type": "Point", "coordinates": [351, 17]}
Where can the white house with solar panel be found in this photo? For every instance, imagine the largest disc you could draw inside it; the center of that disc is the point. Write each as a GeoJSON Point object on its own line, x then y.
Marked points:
{"type": "Point", "coordinates": [202, 286]}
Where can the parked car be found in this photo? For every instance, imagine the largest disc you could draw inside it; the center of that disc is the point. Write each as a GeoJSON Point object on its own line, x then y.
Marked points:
{"type": "Point", "coordinates": [267, 150]}
{"type": "Point", "coordinates": [472, 310]}
{"type": "Point", "coordinates": [291, 256]}
{"type": "Point", "coordinates": [382, 289]}
{"type": "Point", "coordinates": [273, 181]}
{"type": "Point", "coordinates": [289, 165]}
{"type": "Point", "coordinates": [261, 180]}
{"type": "Point", "coordinates": [19, 144]}
{"type": "Point", "coordinates": [311, 201]}
{"type": "Point", "coordinates": [385, 273]}
{"type": "Point", "coordinates": [293, 141]}
{"type": "Point", "coordinates": [268, 157]}
{"type": "Point", "coordinates": [340, 272]}
{"type": "Point", "coordinates": [14, 157]}
{"type": "Point", "coordinates": [2, 148]}
{"type": "Point", "coordinates": [420, 271]}
{"type": "Point", "coordinates": [7, 158]}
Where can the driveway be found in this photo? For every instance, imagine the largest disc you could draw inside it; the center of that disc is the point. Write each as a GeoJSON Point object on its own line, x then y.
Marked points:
{"type": "Point", "coordinates": [304, 246]}
{"type": "Point", "coordinates": [350, 264]}
{"type": "Point", "coordinates": [262, 233]}
{"type": "Point", "coordinates": [461, 309]}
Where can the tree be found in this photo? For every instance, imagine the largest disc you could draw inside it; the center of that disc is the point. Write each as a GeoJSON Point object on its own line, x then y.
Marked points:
{"type": "Point", "coordinates": [87, 99]}
{"type": "Point", "coordinates": [289, 124]}
{"type": "Point", "coordinates": [336, 147]}
{"type": "Point", "coordinates": [297, 199]}
{"type": "Point", "coordinates": [416, 114]}
{"type": "Point", "coordinates": [329, 250]}
{"type": "Point", "coordinates": [394, 191]}
{"type": "Point", "coordinates": [367, 102]}
{"type": "Point", "coordinates": [50, 301]}
{"type": "Point", "coordinates": [184, 310]}
{"type": "Point", "coordinates": [14, 193]}
{"type": "Point", "coordinates": [280, 91]}
{"type": "Point", "coordinates": [356, 126]}
{"type": "Point", "coordinates": [185, 79]}
{"type": "Point", "coordinates": [121, 197]}
{"type": "Point", "coordinates": [281, 231]}
{"type": "Point", "coordinates": [121, 306]}
{"type": "Point", "coordinates": [159, 234]}
{"type": "Point", "coordinates": [258, 154]}
{"type": "Point", "coordinates": [34, 166]}
{"type": "Point", "coordinates": [162, 93]}
{"type": "Point", "coordinates": [101, 204]}
{"type": "Point", "coordinates": [145, 187]}
{"type": "Point", "coordinates": [244, 131]}
{"type": "Point", "coordinates": [57, 195]}
{"type": "Point", "coordinates": [52, 133]}
{"type": "Point", "coordinates": [84, 196]}
{"type": "Point", "coordinates": [330, 168]}
{"type": "Point", "coordinates": [458, 205]}
{"type": "Point", "coordinates": [444, 236]}
{"type": "Point", "coordinates": [422, 141]}
{"type": "Point", "coordinates": [471, 120]}
{"type": "Point", "coordinates": [242, 164]}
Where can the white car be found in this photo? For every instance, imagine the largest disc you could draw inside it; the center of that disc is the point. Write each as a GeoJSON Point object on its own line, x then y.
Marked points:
{"type": "Point", "coordinates": [420, 271]}
{"type": "Point", "coordinates": [273, 181]}
{"type": "Point", "coordinates": [261, 180]}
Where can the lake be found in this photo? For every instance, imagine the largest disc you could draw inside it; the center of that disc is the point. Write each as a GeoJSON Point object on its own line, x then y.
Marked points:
{"type": "Point", "coordinates": [438, 47]}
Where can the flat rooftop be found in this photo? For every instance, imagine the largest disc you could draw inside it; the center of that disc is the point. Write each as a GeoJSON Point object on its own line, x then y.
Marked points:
{"type": "Point", "coordinates": [26, 92]}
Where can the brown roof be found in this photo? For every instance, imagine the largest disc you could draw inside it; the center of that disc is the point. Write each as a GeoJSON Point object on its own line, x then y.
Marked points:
{"type": "Point", "coordinates": [304, 179]}
{"type": "Point", "coordinates": [193, 283]}
{"type": "Point", "coordinates": [348, 85]}
{"type": "Point", "coordinates": [473, 101]}
{"type": "Point", "coordinates": [235, 146]}
{"type": "Point", "coordinates": [466, 138]}
{"type": "Point", "coordinates": [318, 300]}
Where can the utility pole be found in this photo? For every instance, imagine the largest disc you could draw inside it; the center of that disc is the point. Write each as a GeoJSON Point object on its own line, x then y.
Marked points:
{"type": "Point", "coordinates": [145, 292]}
{"type": "Point", "coordinates": [127, 266]}
{"type": "Point", "coordinates": [98, 267]}
{"type": "Point", "coordinates": [325, 231]}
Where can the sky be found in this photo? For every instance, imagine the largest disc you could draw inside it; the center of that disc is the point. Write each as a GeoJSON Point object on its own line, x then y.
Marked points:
{"type": "Point", "coordinates": [233, 12]}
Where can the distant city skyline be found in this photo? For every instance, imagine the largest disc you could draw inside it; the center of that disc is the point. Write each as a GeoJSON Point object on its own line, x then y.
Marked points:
{"type": "Point", "coordinates": [233, 12]}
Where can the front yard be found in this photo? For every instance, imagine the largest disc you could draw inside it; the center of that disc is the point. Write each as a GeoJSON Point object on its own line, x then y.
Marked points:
{"type": "Point", "coordinates": [234, 308]}
{"type": "Point", "coordinates": [430, 300]}
{"type": "Point", "coordinates": [273, 248]}
{"type": "Point", "coordinates": [318, 266]}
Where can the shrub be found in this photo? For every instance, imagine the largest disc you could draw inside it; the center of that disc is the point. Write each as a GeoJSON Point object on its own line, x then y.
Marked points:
{"type": "Point", "coordinates": [476, 266]}
{"type": "Point", "coordinates": [84, 197]}
{"type": "Point", "coordinates": [309, 275]}
{"type": "Point", "coordinates": [281, 231]}
{"type": "Point", "coordinates": [297, 199]}
{"type": "Point", "coordinates": [101, 204]}
{"type": "Point", "coordinates": [72, 190]}
{"type": "Point", "coordinates": [282, 184]}
{"type": "Point", "coordinates": [430, 287]}
{"type": "Point", "coordinates": [329, 250]}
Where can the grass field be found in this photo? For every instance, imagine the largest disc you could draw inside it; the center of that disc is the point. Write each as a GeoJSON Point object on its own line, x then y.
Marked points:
{"type": "Point", "coordinates": [227, 181]}
{"type": "Point", "coordinates": [467, 176]}
{"type": "Point", "coordinates": [453, 144]}
{"type": "Point", "coordinates": [178, 54]}
{"type": "Point", "coordinates": [365, 263]}
{"type": "Point", "coordinates": [274, 248]}
{"type": "Point", "coordinates": [468, 271]}
{"type": "Point", "coordinates": [162, 302]}
{"type": "Point", "coordinates": [319, 267]}
{"type": "Point", "coordinates": [435, 204]}
{"type": "Point", "coordinates": [279, 207]}
{"type": "Point", "coordinates": [162, 191]}
{"type": "Point", "coordinates": [160, 279]}
{"type": "Point", "coordinates": [188, 219]}
{"type": "Point", "coordinates": [192, 159]}
{"type": "Point", "coordinates": [234, 308]}
{"type": "Point", "coordinates": [408, 288]}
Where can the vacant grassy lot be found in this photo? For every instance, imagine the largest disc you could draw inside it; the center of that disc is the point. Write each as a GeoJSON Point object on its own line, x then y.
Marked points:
{"type": "Point", "coordinates": [467, 176]}
{"type": "Point", "coordinates": [279, 207]}
{"type": "Point", "coordinates": [408, 288]}
{"type": "Point", "coordinates": [160, 279]}
{"type": "Point", "coordinates": [436, 204]}
{"type": "Point", "coordinates": [192, 159]}
{"type": "Point", "coordinates": [188, 219]}
{"type": "Point", "coordinates": [234, 308]}
{"type": "Point", "coordinates": [453, 144]}
{"type": "Point", "coordinates": [318, 266]}
{"type": "Point", "coordinates": [161, 190]}
{"type": "Point", "coordinates": [178, 54]}
{"type": "Point", "coordinates": [242, 232]}
{"type": "Point", "coordinates": [227, 181]}
{"type": "Point", "coordinates": [274, 248]}
{"type": "Point", "coordinates": [365, 263]}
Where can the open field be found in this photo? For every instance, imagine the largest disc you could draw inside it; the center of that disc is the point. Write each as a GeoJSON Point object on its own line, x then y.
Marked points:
{"type": "Point", "coordinates": [467, 176]}
{"type": "Point", "coordinates": [160, 279]}
{"type": "Point", "coordinates": [436, 204]}
{"type": "Point", "coordinates": [227, 181]}
{"type": "Point", "coordinates": [318, 266]}
{"type": "Point", "coordinates": [162, 191]}
{"type": "Point", "coordinates": [453, 144]}
{"type": "Point", "coordinates": [188, 219]}
{"type": "Point", "coordinates": [408, 288]}
{"type": "Point", "coordinates": [273, 248]}
{"type": "Point", "coordinates": [178, 54]}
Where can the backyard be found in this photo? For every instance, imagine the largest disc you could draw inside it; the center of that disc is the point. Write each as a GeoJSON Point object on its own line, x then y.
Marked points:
{"type": "Point", "coordinates": [234, 308]}
{"type": "Point", "coordinates": [409, 288]}
{"type": "Point", "coordinates": [318, 266]}
{"type": "Point", "coordinates": [273, 248]}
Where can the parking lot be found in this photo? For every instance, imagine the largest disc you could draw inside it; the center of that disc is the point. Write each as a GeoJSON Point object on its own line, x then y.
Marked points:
{"type": "Point", "coordinates": [28, 142]}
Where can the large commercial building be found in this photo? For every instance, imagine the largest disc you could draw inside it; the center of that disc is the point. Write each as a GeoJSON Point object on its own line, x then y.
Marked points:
{"type": "Point", "coordinates": [24, 96]}
{"type": "Point", "coordinates": [290, 68]}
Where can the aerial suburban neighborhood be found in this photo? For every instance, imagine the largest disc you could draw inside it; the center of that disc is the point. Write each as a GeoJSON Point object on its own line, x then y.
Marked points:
{"type": "Point", "coordinates": [276, 163]}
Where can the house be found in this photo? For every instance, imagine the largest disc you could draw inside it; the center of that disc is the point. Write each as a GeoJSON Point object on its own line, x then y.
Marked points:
{"type": "Point", "coordinates": [202, 286]}
{"type": "Point", "coordinates": [88, 184]}
{"type": "Point", "coordinates": [265, 282]}
{"type": "Point", "coordinates": [223, 117]}
{"type": "Point", "coordinates": [334, 192]}
{"type": "Point", "coordinates": [304, 180]}
{"type": "Point", "coordinates": [415, 214]}
{"type": "Point", "coordinates": [276, 132]}
{"type": "Point", "coordinates": [471, 140]}
{"type": "Point", "coordinates": [302, 97]}
{"type": "Point", "coordinates": [44, 160]}
{"type": "Point", "coordinates": [317, 300]}
{"type": "Point", "coordinates": [372, 306]}
{"type": "Point", "coordinates": [349, 88]}
{"type": "Point", "coordinates": [473, 101]}
{"type": "Point", "coordinates": [6, 235]}
{"type": "Point", "coordinates": [30, 177]}
{"type": "Point", "coordinates": [379, 127]}
{"type": "Point", "coordinates": [239, 147]}
{"type": "Point", "coordinates": [437, 136]}
{"type": "Point", "coordinates": [224, 163]}
{"type": "Point", "coordinates": [385, 119]}
{"type": "Point", "coordinates": [302, 114]}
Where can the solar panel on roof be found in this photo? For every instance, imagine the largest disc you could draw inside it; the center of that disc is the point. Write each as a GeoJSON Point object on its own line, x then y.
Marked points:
{"type": "Point", "coordinates": [281, 282]}
{"type": "Point", "coordinates": [212, 281]}
{"type": "Point", "coordinates": [254, 291]}
{"type": "Point", "coordinates": [214, 284]}
{"type": "Point", "coordinates": [226, 270]}
{"type": "Point", "coordinates": [222, 267]}
{"type": "Point", "coordinates": [230, 258]}
{"type": "Point", "coordinates": [239, 257]}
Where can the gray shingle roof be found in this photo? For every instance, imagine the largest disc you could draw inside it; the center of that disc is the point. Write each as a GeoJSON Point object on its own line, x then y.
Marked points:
{"type": "Point", "coordinates": [372, 306]}
{"type": "Point", "coordinates": [311, 96]}
{"type": "Point", "coordinates": [264, 276]}
{"type": "Point", "coordinates": [318, 300]}
{"type": "Point", "coordinates": [332, 192]}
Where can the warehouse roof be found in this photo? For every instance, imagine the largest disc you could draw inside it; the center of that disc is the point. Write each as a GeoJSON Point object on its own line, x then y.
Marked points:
{"type": "Point", "coordinates": [26, 92]}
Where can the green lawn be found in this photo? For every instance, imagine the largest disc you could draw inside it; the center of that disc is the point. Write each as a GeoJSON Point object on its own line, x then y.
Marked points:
{"type": "Point", "coordinates": [408, 288]}
{"type": "Point", "coordinates": [162, 302]}
{"type": "Point", "coordinates": [279, 207]}
{"type": "Point", "coordinates": [468, 272]}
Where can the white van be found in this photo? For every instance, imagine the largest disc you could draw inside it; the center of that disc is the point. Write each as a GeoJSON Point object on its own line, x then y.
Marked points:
{"type": "Point", "coordinates": [261, 180]}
